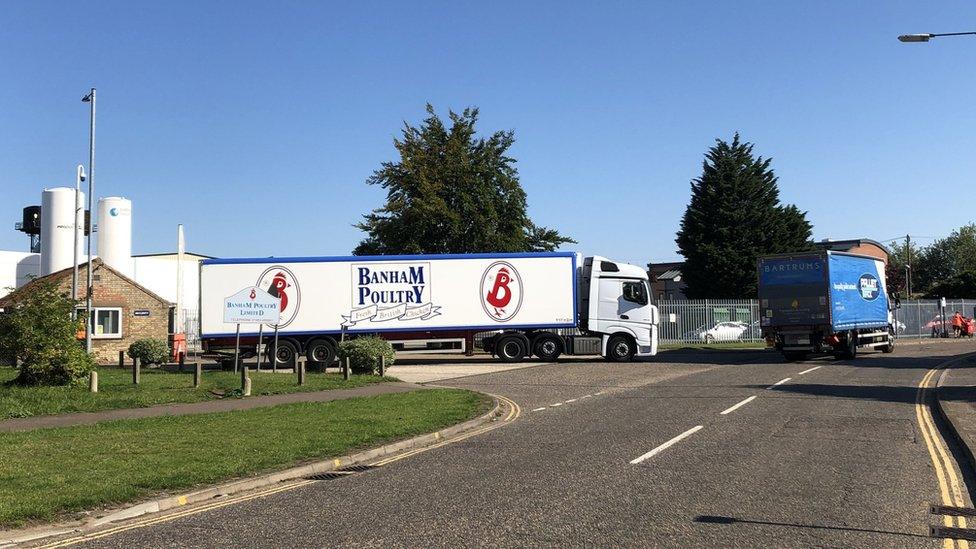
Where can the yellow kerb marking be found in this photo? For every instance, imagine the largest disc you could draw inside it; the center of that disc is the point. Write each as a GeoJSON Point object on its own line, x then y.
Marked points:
{"type": "Point", "coordinates": [181, 500]}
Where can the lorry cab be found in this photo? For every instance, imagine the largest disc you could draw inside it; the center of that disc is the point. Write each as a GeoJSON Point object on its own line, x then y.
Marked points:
{"type": "Point", "coordinates": [617, 306]}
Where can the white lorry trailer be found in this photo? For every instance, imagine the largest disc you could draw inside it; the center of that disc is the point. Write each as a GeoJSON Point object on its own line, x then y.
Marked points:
{"type": "Point", "coordinates": [523, 301]}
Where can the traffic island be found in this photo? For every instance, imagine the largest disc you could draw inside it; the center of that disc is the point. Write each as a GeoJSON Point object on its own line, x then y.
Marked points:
{"type": "Point", "coordinates": [51, 473]}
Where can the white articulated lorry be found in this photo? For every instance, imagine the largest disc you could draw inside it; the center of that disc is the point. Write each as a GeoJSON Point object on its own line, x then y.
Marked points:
{"type": "Point", "coordinates": [522, 299]}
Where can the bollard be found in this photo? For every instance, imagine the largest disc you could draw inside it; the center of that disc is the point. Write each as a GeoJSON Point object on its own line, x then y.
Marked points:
{"type": "Point", "coordinates": [182, 358]}
{"type": "Point", "coordinates": [345, 369]}
{"type": "Point", "coordinates": [136, 366]}
{"type": "Point", "coordinates": [301, 371]}
{"type": "Point", "coordinates": [382, 365]}
{"type": "Point", "coordinates": [121, 359]}
{"type": "Point", "coordinates": [93, 381]}
{"type": "Point", "coordinates": [245, 381]}
{"type": "Point", "coordinates": [197, 374]}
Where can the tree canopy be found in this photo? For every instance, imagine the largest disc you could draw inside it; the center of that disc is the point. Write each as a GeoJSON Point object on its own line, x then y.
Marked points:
{"type": "Point", "coordinates": [734, 217]}
{"type": "Point", "coordinates": [942, 269]}
{"type": "Point", "coordinates": [452, 192]}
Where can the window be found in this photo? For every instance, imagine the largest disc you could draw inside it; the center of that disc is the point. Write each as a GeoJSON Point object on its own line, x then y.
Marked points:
{"type": "Point", "coordinates": [635, 292]}
{"type": "Point", "coordinates": [107, 322]}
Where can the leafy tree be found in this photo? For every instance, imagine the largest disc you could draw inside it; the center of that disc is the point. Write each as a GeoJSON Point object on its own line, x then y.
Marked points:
{"type": "Point", "coordinates": [945, 259]}
{"type": "Point", "coordinates": [734, 217]}
{"type": "Point", "coordinates": [452, 192]}
{"type": "Point", "coordinates": [958, 285]}
{"type": "Point", "coordinates": [39, 331]}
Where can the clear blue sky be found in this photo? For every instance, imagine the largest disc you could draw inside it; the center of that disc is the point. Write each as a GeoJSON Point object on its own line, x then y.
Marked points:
{"type": "Point", "coordinates": [256, 123]}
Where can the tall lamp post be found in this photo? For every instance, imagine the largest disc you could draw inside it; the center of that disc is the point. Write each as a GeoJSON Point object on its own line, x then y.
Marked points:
{"type": "Point", "coordinates": [89, 321]}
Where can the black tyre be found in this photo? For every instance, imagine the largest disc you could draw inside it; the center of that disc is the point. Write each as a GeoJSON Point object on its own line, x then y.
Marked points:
{"type": "Point", "coordinates": [709, 339]}
{"type": "Point", "coordinates": [849, 350]}
{"type": "Point", "coordinates": [621, 348]}
{"type": "Point", "coordinates": [890, 347]}
{"type": "Point", "coordinates": [510, 349]}
{"type": "Point", "coordinates": [285, 353]}
{"type": "Point", "coordinates": [547, 347]}
{"type": "Point", "coordinates": [320, 352]}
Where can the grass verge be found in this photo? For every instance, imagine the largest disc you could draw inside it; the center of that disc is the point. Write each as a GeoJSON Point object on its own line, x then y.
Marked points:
{"type": "Point", "coordinates": [156, 387]}
{"type": "Point", "coordinates": [50, 472]}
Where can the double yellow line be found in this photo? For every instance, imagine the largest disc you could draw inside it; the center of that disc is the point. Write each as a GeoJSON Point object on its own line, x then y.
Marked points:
{"type": "Point", "coordinates": [949, 485]}
{"type": "Point", "coordinates": [514, 411]}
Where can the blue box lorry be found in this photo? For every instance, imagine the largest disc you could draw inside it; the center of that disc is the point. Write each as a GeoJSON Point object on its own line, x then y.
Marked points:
{"type": "Point", "coordinates": [824, 302]}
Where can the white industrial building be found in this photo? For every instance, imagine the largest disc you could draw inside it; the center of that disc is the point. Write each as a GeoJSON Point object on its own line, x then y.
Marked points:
{"type": "Point", "coordinates": [59, 231]}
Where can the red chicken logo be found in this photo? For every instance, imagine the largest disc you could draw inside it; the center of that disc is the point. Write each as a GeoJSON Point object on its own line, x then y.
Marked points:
{"type": "Point", "coordinates": [501, 291]}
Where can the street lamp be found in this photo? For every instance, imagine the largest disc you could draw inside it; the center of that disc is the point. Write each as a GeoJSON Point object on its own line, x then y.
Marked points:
{"type": "Point", "coordinates": [89, 324]}
{"type": "Point", "coordinates": [928, 36]}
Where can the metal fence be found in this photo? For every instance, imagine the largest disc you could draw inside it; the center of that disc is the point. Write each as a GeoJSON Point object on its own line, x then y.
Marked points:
{"type": "Point", "coordinates": [720, 320]}
{"type": "Point", "coordinates": [717, 321]}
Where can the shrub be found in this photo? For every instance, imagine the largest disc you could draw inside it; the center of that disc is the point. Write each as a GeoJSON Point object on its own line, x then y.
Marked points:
{"type": "Point", "coordinates": [364, 353]}
{"type": "Point", "coordinates": [38, 330]}
{"type": "Point", "coordinates": [149, 351]}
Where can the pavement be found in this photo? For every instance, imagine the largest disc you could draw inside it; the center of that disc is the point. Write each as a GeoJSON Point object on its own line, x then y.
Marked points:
{"type": "Point", "coordinates": [205, 407]}
{"type": "Point", "coordinates": [956, 396]}
{"type": "Point", "coordinates": [714, 449]}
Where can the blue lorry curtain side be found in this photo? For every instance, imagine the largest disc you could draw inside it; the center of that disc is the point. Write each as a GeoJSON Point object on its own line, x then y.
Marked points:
{"type": "Point", "coordinates": [858, 295]}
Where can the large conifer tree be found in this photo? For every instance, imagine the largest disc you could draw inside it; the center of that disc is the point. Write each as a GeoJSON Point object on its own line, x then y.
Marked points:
{"type": "Point", "coordinates": [451, 192]}
{"type": "Point", "coordinates": [734, 217]}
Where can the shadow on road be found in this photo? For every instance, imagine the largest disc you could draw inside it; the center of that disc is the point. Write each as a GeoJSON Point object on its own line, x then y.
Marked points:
{"type": "Point", "coordinates": [718, 519]}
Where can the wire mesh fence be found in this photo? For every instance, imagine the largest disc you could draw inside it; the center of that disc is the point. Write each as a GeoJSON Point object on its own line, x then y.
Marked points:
{"type": "Point", "coordinates": [717, 321]}
{"type": "Point", "coordinates": [722, 321]}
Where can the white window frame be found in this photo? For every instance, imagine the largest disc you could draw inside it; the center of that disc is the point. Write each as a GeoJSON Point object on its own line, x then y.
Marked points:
{"type": "Point", "coordinates": [94, 316]}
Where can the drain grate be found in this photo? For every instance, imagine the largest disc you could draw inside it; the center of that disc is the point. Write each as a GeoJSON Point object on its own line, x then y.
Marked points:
{"type": "Point", "coordinates": [342, 472]}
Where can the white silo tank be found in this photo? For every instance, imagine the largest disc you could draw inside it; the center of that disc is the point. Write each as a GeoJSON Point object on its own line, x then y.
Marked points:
{"type": "Point", "coordinates": [115, 233]}
{"type": "Point", "coordinates": [58, 226]}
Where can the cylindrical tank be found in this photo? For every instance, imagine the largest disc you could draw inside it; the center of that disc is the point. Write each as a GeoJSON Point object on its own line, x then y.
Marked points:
{"type": "Point", "coordinates": [115, 233]}
{"type": "Point", "coordinates": [57, 227]}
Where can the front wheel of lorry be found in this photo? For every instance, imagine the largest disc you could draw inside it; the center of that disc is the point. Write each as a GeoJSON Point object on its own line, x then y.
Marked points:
{"type": "Point", "coordinates": [620, 349]}
{"type": "Point", "coordinates": [890, 347]}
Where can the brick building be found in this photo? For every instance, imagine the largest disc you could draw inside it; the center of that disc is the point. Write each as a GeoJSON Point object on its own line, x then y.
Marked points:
{"type": "Point", "coordinates": [862, 246]}
{"type": "Point", "coordinates": [123, 310]}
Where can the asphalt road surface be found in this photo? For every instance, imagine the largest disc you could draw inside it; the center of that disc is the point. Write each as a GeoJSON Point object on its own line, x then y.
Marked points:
{"type": "Point", "coordinates": [635, 455]}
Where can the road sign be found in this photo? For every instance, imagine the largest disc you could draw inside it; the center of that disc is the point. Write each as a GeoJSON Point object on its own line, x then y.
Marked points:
{"type": "Point", "coordinates": [252, 305]}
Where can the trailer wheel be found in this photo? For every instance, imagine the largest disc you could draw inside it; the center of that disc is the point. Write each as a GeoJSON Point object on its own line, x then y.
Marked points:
{"type": "Point", "coordinates": [547, 347]}
{"type": "Point", "coordinates": [620, 348]}
{"type": "Point", "coordinates": [321, 352]}
{"type": "Point", "coordinates": [285, 353]}
{"type": "Point", "coordinates": [510, 349]}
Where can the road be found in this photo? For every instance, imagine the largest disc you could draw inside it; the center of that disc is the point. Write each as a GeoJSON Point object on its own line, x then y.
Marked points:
{"type": "Point", "coordinates": [635, 455]}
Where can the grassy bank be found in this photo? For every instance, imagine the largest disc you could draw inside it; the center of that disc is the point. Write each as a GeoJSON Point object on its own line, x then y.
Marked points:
{"type": "Point", "coordinates": [156, 387]}
{"type": "Point", "coordinates": [49, 472]}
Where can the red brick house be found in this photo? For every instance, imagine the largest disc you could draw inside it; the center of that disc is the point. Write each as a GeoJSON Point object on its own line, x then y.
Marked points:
{"type": "Point", "coordinates": [122, 310]}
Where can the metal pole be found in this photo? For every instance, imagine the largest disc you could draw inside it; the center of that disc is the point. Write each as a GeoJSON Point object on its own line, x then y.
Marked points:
{"type": "Point", "coordinates": [237, 348]}
{"type": "Point", "coordinates": [258, 349]}
{"type": "Point", "coordinates": [274, 351]}
{"type": "Point", "coordinates": [79, 176]}
{"type": "Point", "coordinates": [90, 98]}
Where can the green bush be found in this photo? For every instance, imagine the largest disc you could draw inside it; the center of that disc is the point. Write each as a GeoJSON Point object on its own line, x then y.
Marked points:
{"type": "Point", "coordinates": [364, 353]}
{"type": "Point", "coordinates": [37, 329]}
{"type": "Point", "coordinates": [149, 351]}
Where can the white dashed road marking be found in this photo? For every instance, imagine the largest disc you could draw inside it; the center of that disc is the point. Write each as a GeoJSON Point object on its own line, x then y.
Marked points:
{"type": "Point", "coordinates": [808, 371]}
{"type": "Point", "coordinates": [667, 444]}
{"type": "Point", "coordinates": [539, 409]}
{"type": "Point", "coordinates": [735, 407]}
{"type": "Point", "coordinates": [780, 382]}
